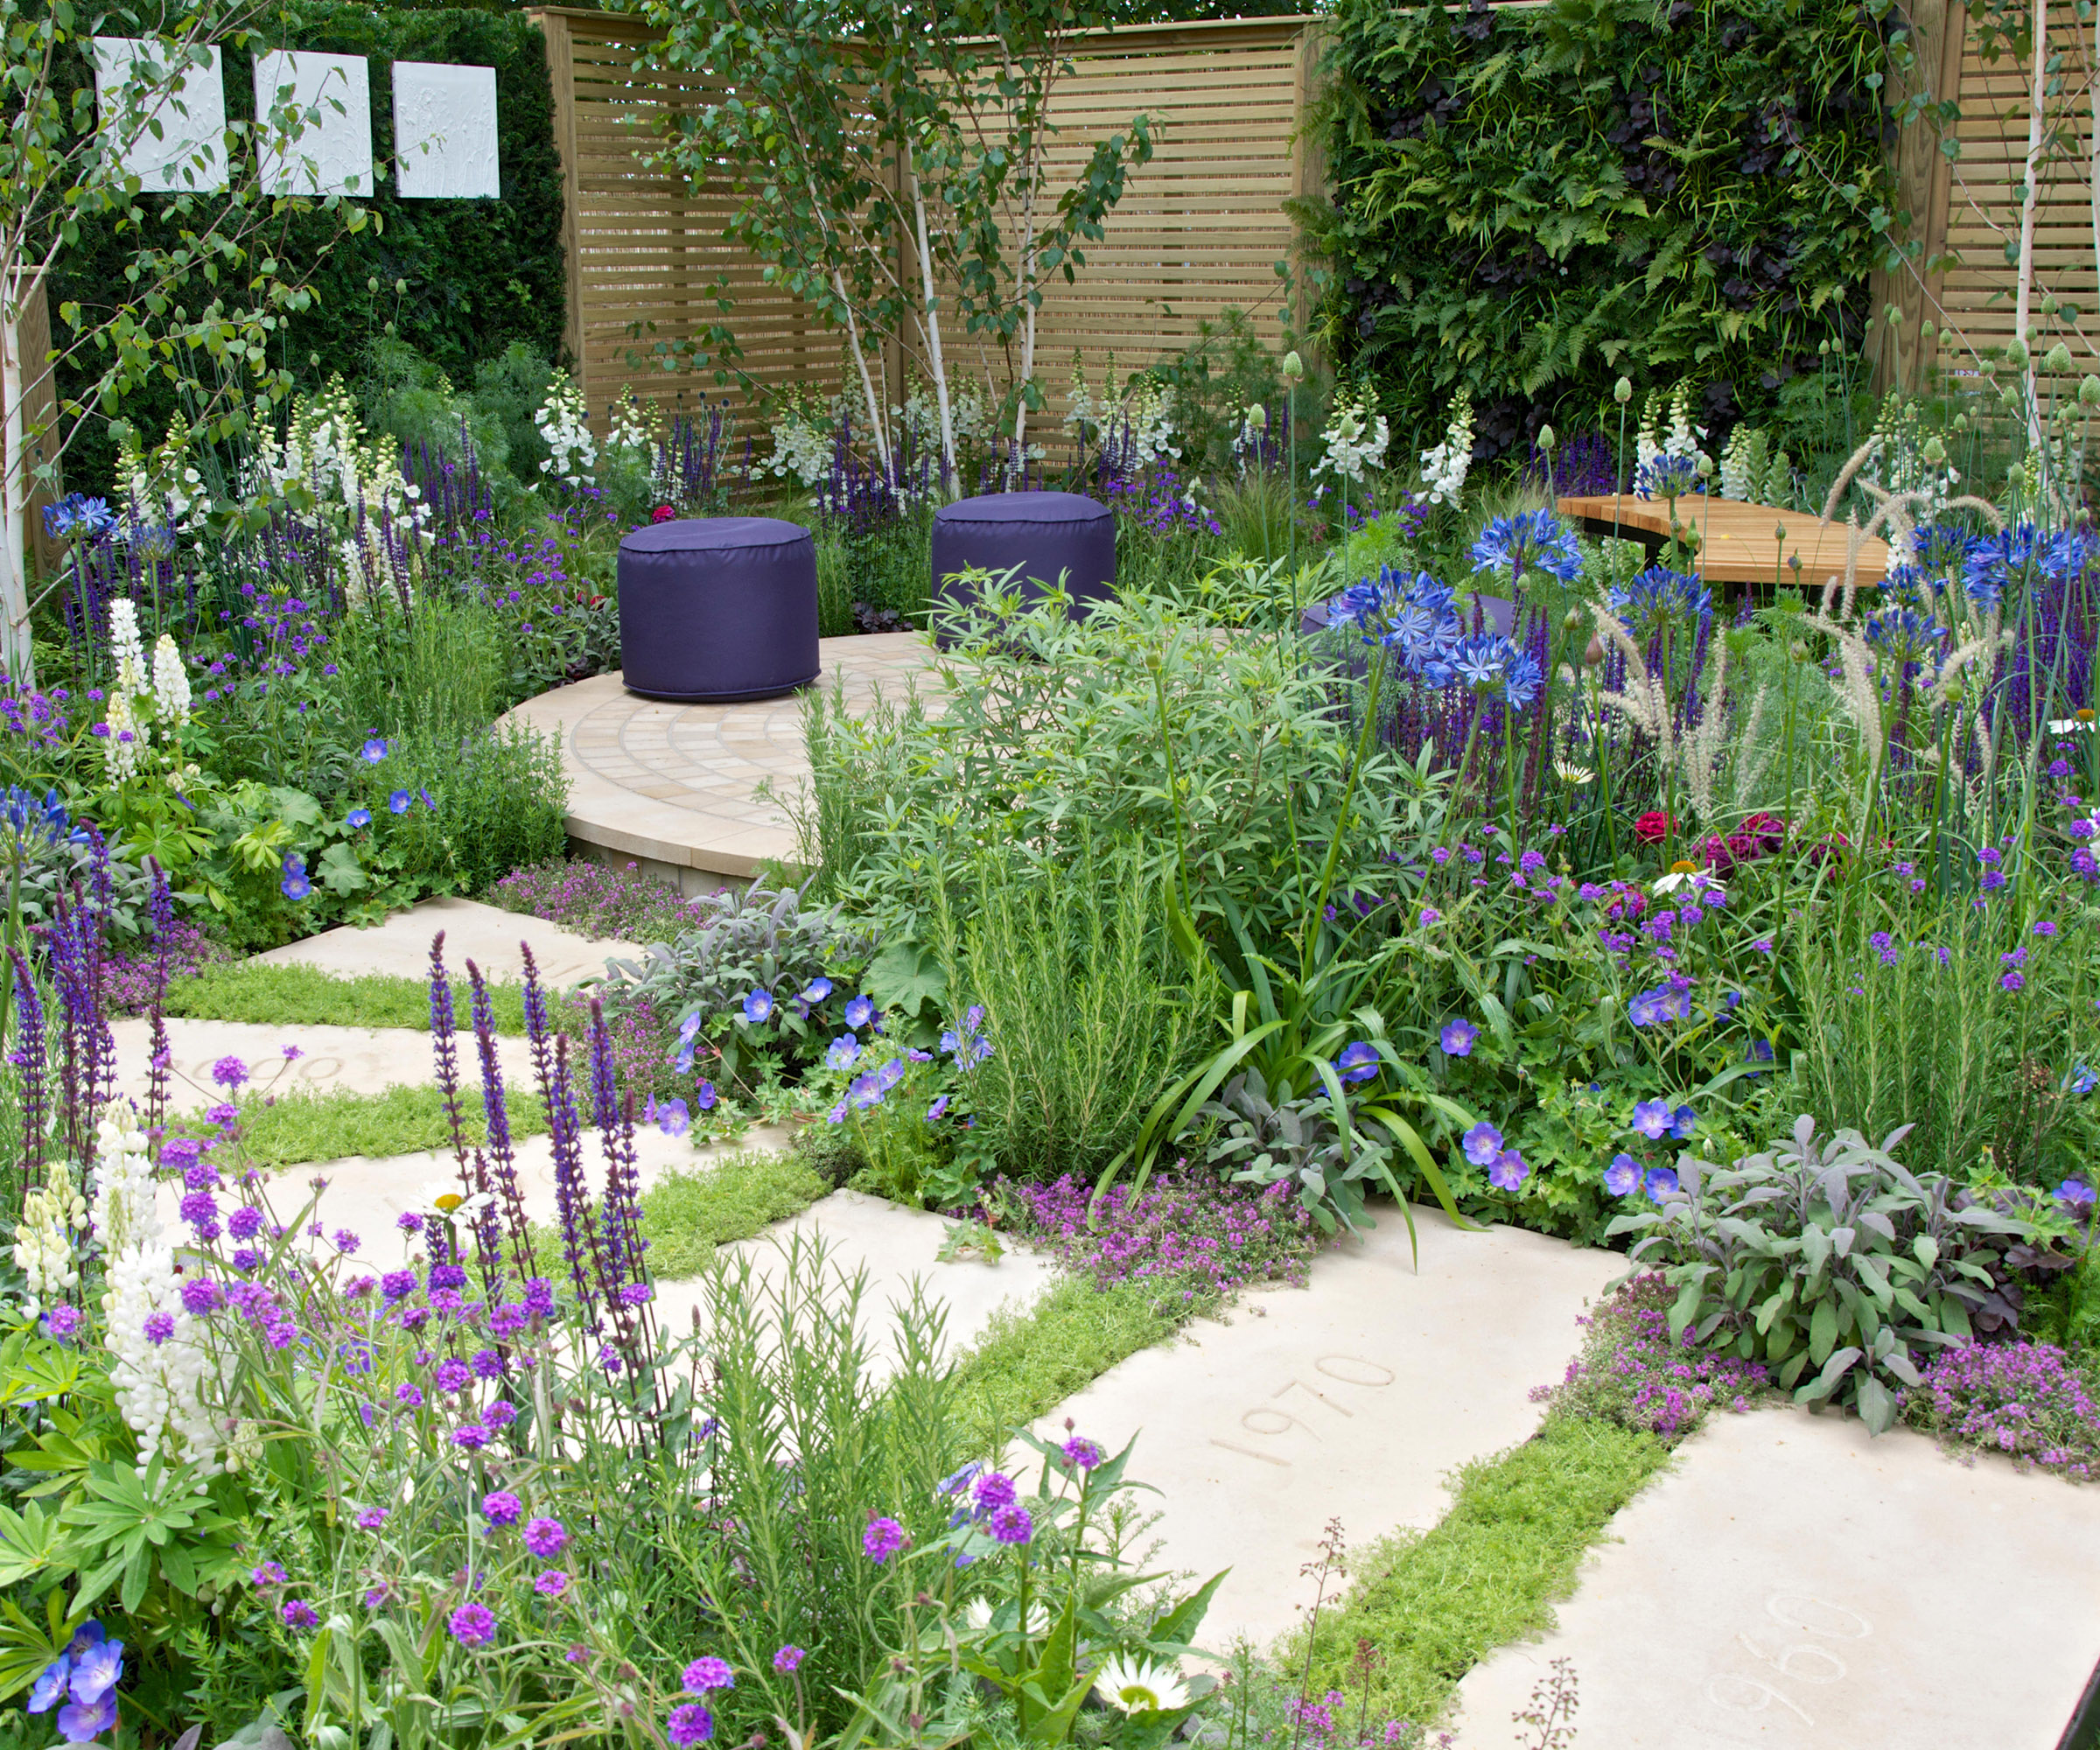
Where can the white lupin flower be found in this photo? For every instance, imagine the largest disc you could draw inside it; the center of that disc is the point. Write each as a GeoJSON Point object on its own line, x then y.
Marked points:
{"type": "Point", "coordinates": [167, 1389]}
{"type": "Point", "coordinates": [126, 740]}
{"type": "Point", "coordinates": [50, 1215]}
{"type": "Point", "coordinates": [170, 683]}
{"type": "Point", "coordinates": [125, 646]}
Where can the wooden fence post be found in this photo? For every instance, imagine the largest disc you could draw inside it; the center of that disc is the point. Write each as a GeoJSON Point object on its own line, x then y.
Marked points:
{"type": "Point", "coordinates": [40, 413]}
{"type": "Point", "coordinates": [1924, 182]}
{"type": "Point", "coordinates": [561, 70]}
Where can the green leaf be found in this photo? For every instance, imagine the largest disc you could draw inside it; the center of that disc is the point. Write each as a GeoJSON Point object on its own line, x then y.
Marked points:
{"type": "Point", "coordinates": [1823, 1332]}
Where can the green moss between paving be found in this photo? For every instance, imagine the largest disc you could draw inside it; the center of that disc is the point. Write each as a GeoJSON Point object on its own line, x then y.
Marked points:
{"type": "Point", "coordinates": [1436, 1603]}
{"type": "Point", "coordinates": [301, 1126]}
{"type": "Point", "coordinates": [268, 993]}
{"type": "Point", "coordinates": [688, 1212]}
{"type": "Point", "coordinates": [1029, 1360]}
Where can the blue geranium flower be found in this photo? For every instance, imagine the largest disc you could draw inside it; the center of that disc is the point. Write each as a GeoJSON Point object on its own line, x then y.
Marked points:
{"type": "Point", "coordinates": [1622, 1175]}
{"type": "Point", "coordinates": [1457, 1038]}
{"type": "Point", "coordinates": [859, 1011]}
{"type": "Point", "coordinates": [816, 991]}
{"type": "Point", "coordinates": [1508, 1172]}
{"type": "Point", "coordinates": [50, 1687]}
{"type": "Point", "coordinates": [295, 886]}
{"type": "Point", "coordinates": [1483, 1143]}
{"type": "Point", "coordinates": [1358, 1061]}
{"type": "Point", "coordinates": [890, 1074]}
{"type": "Point", "coordinates": [1682, 1122]}
{"type": "Point", "coordinates": [704, 1096]}
{"type": "Point", "coordinates": [400, 803]}
{"type": "Point", "coordinates": [1652, 1119]}
{"type": "Point", "coordinates": [844, 1050]}
{"type": "Point", "coordinates": [374, 751]}
{"type": "Point", "coordinates": [358, 817]}
{"type": "Point", "coordinates": [1662, 1181]}
{"type": "Point", "coordinates": [758, 1007]}
{"type": "Point", "coordinates": [673, 1117]}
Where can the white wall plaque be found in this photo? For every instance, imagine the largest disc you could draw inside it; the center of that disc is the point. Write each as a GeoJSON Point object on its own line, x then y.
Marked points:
{"type": "Point", "coordinates": [332, 93]}
{"type": "Point", "coordinates": [444, 131]}
{"type": "Point", "coordinates": [191, 111]}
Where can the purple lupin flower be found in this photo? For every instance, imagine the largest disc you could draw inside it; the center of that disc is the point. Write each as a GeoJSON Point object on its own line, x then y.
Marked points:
{"type": "Point", "coordinates": [28, 1060]}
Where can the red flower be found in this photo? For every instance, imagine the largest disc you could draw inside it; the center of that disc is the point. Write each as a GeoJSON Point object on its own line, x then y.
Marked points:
{"type": "Point", "coordinates": [1653, 827]}
{"type": "Point", "coordinates": [663, 513]}
{"type": "Point", "coordinates": [1766, 826]}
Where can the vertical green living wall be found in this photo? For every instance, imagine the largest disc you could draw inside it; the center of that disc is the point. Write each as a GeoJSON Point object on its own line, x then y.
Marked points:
{"type": "Point", "coordinates": [1530, 202]}
{"type": "Point", "coordinates": [478, 274]}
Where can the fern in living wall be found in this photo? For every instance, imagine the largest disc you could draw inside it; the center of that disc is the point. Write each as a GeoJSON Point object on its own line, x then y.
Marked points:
{"type": "Point", "coordinates": [1530, 202]}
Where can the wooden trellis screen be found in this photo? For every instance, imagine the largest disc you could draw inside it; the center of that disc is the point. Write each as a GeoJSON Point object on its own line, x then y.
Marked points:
{"type": "Point", "coordinates": [1199, 230]}
{"type": "Point", "coordinates": [1970, 207]}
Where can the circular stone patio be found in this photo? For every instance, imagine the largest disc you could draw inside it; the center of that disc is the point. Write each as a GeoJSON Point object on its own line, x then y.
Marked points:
{"type": "Point", "coordinates": [676, 787]}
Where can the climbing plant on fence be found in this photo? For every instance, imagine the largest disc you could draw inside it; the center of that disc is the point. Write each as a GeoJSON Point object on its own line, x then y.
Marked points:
{"type": "Point", "coordinates": [1530, 202]}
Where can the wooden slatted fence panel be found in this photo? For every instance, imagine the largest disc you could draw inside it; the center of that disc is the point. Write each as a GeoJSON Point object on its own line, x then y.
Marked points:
{"type": "Point", "coordinates": [1970, 210]}
{"type": "Point", "coordinates": [1199, 230]}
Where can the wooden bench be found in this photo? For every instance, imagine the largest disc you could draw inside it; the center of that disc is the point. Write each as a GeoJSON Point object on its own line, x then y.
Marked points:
{"type": "Point", "coordinates": [1740, 543]}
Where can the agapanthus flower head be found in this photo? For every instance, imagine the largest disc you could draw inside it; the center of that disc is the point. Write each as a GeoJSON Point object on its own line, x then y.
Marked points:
{"type": "Point", "coordinates": [2001, 563]}
{"type": "Point", "coordinates": [1657, 598]}
{"type": "Point", "coordinates": [1528, 538]}
{"type": "Point", "coordinates": [1667, 476]}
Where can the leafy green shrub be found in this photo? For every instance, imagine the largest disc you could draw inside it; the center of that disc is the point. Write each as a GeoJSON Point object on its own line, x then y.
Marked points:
{"type": "Point", "coordinates": [1828, 1255]}
{"type": "Point", "coordinates": [759, 942]}
{"type": "Point", "coordinates": [1088, 1008]}
{"type": "Point", "coordinates": [1973, 1022]}
{"type": "Point", "coordinates": [1519, 209]}
{"type": "Point", "coordinates": [480, 805]}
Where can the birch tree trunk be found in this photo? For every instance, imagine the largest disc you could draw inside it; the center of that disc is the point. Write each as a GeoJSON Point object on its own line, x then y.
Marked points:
{"type": "Point", "coordinates": [929, 326]}
{"type": "Point", "coordinates": [878, 426]}
{"type": "Point", "coordinates": [15, 653]}
{"type": "Point", "coordinates": [2023, 297]}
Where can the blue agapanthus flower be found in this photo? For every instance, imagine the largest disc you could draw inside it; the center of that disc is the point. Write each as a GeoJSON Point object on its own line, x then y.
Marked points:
{"type": "Point", "coordinates": [1358, 1061]}
{"type": "Point", "coordinates": [2006, 561]}
{"type": "Point", "coordinates": [1909, 639]}
{"type": "Point", "coordinates": [1942, 548]}
{"type": "Point", "coordinates": [77, 517]}
{"type": "Point", "coordinates": [1663, 476]}
{"type": "Point", "coordinates": [31, 821]}
{"type": "Point", "coordinates": [1622, 1175]}
{"type": "Point", "coordinates": [1657, 598]}
{"type": "Point", "coordinates": [1535, 538]}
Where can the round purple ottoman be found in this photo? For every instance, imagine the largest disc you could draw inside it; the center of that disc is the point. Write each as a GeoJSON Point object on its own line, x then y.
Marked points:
{"type": "Point", "coordinates": [718, 608]}
{"type": "Point", "coordinates": [1044, 533]}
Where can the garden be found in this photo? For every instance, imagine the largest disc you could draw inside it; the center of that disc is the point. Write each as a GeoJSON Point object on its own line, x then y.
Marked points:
{"type": "Point", "coordinates": [1424, 1102]}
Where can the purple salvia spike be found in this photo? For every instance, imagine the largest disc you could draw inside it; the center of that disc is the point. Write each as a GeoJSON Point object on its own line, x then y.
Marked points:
{"type": "Point", "coordinates": [28, 1059]}
{"type": "Point", "coordinates": [445, 1049]}
{"type": "Point", "coordinates": [571, 1194]}
{"type": "Point", "coordinates": [623, 1182]}
{"type": "Point", "coordinates": [502, 1161]}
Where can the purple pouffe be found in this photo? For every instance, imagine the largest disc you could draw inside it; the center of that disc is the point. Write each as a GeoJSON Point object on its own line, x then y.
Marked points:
{"type": "Point", "coordinates": [1045, 534]}
{"type": "Point", "coordinates": [718, 608]}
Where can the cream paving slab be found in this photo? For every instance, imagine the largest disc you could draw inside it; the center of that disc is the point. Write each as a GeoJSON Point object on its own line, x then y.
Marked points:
{"type": "Point", "coordinates": [486, 935]}
{"type": "Point", "coordinates": [1350, 1398]}
{"type": "Point", "coordinates": [676, 786]}
{"type": "Point", "coordinates": [1794, 1583]}
{"type": "Point", "coordinates": [360, 1060]}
